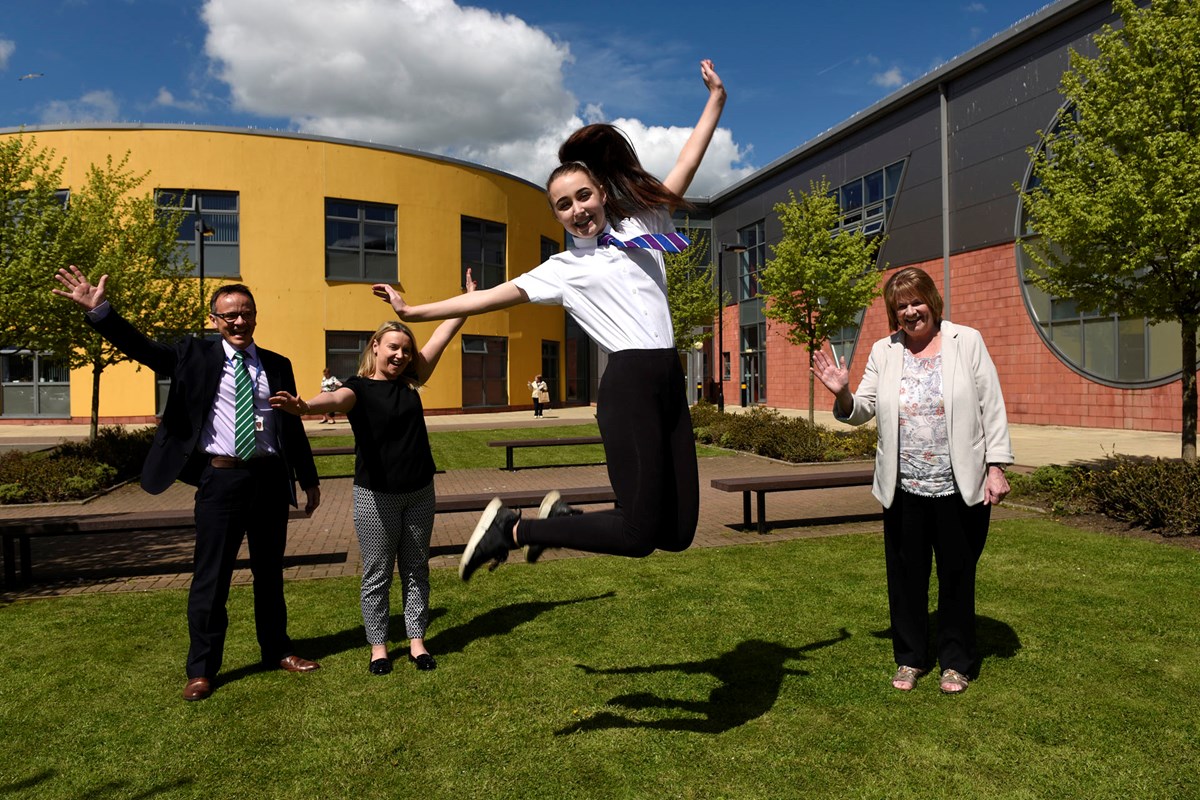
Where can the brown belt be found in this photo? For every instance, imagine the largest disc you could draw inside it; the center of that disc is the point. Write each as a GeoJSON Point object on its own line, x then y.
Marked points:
{"type": "Point", "coordinates": [229, 462]}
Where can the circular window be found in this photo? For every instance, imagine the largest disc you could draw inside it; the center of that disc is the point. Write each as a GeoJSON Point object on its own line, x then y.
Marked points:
{"type": "Point", "coordinates": [1118, 351]}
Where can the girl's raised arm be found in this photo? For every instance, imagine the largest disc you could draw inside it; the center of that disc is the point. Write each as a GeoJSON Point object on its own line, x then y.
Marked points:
{"type": "Point", "coordinates": [431, 353]}
{"type": "Point", "coordinates": [463, 305]}
{"type": "Point", "coordinates": [680, 177]}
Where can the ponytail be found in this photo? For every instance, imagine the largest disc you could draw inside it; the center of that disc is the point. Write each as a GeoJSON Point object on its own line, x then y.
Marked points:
{"type": "Point", "coordinates": [604, 152]}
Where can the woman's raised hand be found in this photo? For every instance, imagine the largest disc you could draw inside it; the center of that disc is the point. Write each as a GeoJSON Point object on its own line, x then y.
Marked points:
{"type": "Point", "coordinates": [836, 378]}
{"type": "Point", "coordinates": [386, 292]}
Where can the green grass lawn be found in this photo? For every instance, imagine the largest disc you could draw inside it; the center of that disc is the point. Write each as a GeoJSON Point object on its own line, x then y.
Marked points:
{"type": "Point", "coordinates": [757, 671]}
{"type": "Point", "coordinates": [469, 449]}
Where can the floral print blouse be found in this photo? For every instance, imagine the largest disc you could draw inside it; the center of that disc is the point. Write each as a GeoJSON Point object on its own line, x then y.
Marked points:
{"type": "Point", "coordinates": [924, 440]}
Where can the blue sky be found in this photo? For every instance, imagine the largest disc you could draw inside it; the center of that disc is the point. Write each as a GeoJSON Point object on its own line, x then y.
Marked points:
{"type": "Point", "coordinates": [500, 83]}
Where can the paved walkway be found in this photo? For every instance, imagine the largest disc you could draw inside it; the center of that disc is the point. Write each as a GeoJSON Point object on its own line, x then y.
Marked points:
{"type": "Point", "coordinates": [325, 545]}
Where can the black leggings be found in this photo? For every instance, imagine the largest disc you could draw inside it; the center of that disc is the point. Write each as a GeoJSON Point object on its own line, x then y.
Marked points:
{"type": "Point", "coordinates": [651, 453]}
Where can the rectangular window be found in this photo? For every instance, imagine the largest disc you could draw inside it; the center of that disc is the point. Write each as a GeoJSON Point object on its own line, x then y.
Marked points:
{"type": "Point", "coordinates": [209, 230]}
{"type": "Point", "coordinates": [865, 203]}
{"type": "Point", "coordinates": [343, 350]}
{"type": "Point", "coordinates": [33, 384]}
{"type": "Point", "coordinates": [360, 241]}
{"type": "Point", "coordinates": [752, 261]}
{"type": "Point", "coordinates": [484, 371]}
{"type": "Point", "coordinates": [549, 248]}
{"type": "Point", "coordinates": [484, 244]}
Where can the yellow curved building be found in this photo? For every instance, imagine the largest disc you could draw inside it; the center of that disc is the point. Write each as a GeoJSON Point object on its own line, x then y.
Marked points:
{"type": "Point", "coordinates": [309, 223]}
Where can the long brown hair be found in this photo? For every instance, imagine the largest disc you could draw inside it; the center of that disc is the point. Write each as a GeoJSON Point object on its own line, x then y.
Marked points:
{"type": "Point", "coordinates": [605, 154]}
{"type": "Point", "coordinates": [366, 361]}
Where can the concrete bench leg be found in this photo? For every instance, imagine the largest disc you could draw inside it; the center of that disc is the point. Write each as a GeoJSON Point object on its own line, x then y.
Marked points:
{"type": "Point", "coordinates": [762, 513]}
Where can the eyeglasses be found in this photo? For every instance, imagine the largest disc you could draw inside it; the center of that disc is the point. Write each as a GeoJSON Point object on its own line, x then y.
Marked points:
{"type": "Point", "coordinates": [232, 316]}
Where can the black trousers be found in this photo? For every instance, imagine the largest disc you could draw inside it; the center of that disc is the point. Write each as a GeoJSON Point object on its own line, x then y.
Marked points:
{"type": "Point", "coordinates": [916, 530]}
{"type": "Point", "coordinates": [651, 454]}
{"type": "Point", "coordinates": [230, 504]}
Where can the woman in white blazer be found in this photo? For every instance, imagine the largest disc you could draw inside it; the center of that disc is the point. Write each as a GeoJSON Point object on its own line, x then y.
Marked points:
{"type": "Point", "coordinates": [939, 467]}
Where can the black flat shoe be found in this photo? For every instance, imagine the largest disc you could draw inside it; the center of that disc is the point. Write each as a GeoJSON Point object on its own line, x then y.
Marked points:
{"type": "Point", "coordinates": [380, 666]}
{"type": "Point", "coordinates": [424, 661]}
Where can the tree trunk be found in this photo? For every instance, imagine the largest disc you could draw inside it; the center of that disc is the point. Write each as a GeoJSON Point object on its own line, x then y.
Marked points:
{"type": "Point", "coordinates": [97, 368]}
{"type": "Point", "coordinates": [811, 386]}
{"type": "Point", "coordinates": [1189, 389]}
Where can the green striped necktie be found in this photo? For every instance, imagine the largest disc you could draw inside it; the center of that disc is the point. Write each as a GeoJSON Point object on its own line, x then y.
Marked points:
{"type": "Point", "coordinates": [243, 414]}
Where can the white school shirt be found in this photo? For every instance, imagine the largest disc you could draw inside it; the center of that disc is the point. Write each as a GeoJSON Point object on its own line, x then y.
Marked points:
{"type": "Point", "coordinates": [617, 295]}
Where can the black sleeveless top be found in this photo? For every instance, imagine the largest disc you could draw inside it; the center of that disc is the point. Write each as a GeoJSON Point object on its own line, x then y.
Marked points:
{"type": "Point", "coordinates": [391, 444]}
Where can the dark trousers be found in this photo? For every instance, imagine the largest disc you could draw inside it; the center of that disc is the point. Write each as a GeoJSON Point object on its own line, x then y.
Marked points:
{"type": "Point", "coordinates": [916, 530]}
{"type": "Point", "coordinates": [230, 504]}
{"type": "Point", "coordinates": [651, 454]}
{"type": "Point", "coordinates": [537, 407]}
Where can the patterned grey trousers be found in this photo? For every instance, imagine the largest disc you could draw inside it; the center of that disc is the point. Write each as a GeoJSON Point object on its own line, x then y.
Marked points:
{"type": "Point", "coordinates": [394, 529]}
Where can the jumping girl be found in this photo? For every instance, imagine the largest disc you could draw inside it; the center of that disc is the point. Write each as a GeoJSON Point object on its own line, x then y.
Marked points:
{"type": "Point", "coordinates": [618, 295]}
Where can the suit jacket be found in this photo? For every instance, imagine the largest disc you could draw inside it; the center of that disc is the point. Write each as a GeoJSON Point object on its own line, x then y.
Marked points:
{"type": "Point", "coordinates": [195, 367]}
{"type": "Point", "coordinates": [976, 421]}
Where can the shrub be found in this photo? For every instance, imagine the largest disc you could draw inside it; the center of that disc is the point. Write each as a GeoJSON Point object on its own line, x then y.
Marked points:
{"type": "Point", "coordinates": [74, 470]}
{"type": "Point", "coordinates": [36, 478]}
{"type": "Point", "coordinates": [766, 432]}
{"type": "Point", "coordinates": [122, 448]}
{"type": "Point", "coordinates": [1161, 495]}
{"type": "Point", "coordinates": [1062, 490]}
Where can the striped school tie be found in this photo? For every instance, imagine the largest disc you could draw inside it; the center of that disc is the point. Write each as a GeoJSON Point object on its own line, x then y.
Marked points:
{"type": "Point", "coordinates": [666, 242]}
{"type": "Point", "coordinates": [243, 409]}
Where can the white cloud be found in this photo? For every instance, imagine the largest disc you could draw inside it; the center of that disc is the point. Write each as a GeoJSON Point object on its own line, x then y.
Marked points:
{"type": "Point", "coordinates": [7, 48]}
{"type": "Point", "coordinates": [167, 99]}
{"type": "Point", "coordinates": [889, 79]}
{"type": "Point", "coordinates": [975, 8]}
{"type": "Point", "coordinates": [425, 74]}
{"type": "Point", "coordinates": [97, 106]}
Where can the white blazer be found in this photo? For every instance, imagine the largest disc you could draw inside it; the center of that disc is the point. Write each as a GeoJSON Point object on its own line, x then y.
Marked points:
{"type": "Point", "coordinates": [976, 421]}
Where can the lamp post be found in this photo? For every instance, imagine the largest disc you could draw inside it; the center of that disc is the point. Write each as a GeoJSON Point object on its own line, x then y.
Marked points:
{"type": "Point", "coordinates": [202, 233]}
{"type": "Point", "coordinates": [720, 359]}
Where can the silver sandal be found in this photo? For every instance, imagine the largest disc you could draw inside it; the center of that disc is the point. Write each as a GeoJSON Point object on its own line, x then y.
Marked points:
{"type": "Point", "coordinates": [905, 678]}
{"type": "Point", "coordinates": [954, 682]}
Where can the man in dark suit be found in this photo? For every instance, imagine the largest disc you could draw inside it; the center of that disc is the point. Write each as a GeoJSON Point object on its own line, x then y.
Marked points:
{"type": "Point", "coordinates": [219, 433]}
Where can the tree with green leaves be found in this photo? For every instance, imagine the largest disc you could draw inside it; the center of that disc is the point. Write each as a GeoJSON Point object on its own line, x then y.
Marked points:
{"type": "Point", "coordinates": [1117, 205]}
{"type": "Point", "coordinates": [109, 229]}
{"type": "Point", "coordinates": [31, 218]}
{"type": "Point", "coordinates": [818, 281]}
{"type": "Point", "coordinates": [690, 293]}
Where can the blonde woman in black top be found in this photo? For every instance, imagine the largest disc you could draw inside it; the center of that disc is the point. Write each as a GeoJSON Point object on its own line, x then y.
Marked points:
{"type": "Point", "coordinates": [393, 477]}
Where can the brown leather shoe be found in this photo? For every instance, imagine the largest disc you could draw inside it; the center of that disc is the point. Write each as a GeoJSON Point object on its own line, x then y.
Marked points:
{"type": "Point", "coordinates": [197, 689]}
{"type": "Point", "coordinates": [298, 664]}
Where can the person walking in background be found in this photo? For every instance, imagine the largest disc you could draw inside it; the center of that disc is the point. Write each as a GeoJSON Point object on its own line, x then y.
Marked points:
{"type": "Point", "coordinates": [393, 477]}
{"type": "Point", "coordinates": [329, 382]}
{"type": "Point", "coordinates": [613, 281]}
{"type": "Point", "coordinates": [541, 395]}
{"type": "Point", "coordinates": [218, 433]}
{"type": "Point", "coordinates": [943, 448]}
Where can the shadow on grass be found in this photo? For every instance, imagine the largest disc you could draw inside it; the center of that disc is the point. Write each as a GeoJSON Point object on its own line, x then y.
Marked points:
{"type": "Point", "coordinates": [750, 675]}
{"type": "Point", "coordinates": [497, 622]}
{"type": "Point", "coordinates": [27, 783]}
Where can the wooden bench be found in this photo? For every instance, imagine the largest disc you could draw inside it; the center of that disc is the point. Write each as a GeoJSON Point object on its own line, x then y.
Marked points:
{"type": "Point", "coordinates": [346, 450]}
{"type": "Point", "coordinates": [763, 484]}
{"type": "Point", "coordinates": [511, 444]}
{"type": "Point", "coordinates": [17, 533]}
{"type": "Point", "coordinates": [525, 498]}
